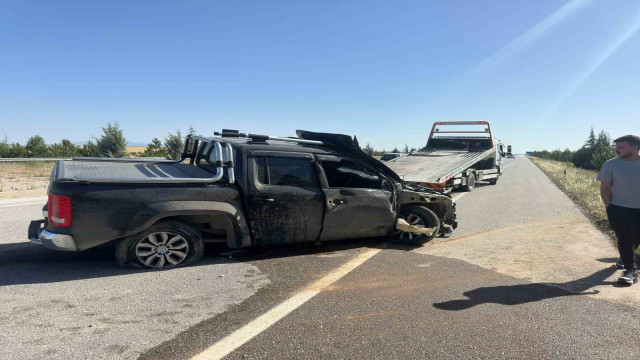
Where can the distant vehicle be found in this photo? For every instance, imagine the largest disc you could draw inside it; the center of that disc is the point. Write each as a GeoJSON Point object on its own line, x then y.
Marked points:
{"type": "Point", "coordinates": [509, 153]}
{"type": "Point", "coordinates": [452, 161]}
{"type": "Point", "coordinates": [237, 189]}
{"type": "Point", "coordinates": [390, 156]}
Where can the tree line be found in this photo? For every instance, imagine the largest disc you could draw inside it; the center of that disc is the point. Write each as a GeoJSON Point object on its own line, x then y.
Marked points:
{"type": "Point", "coordinates": [372, 152]}
{"type": "Point", "coordinates": [595, 151]}
{"type": "Point", "coordinates": [111, 143]}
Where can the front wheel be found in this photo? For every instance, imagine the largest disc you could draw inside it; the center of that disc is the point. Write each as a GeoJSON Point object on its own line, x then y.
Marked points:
{"type": "Point", "coordinates": [418, 216]}
{"type": "Point", "coordinates": [164, 245]}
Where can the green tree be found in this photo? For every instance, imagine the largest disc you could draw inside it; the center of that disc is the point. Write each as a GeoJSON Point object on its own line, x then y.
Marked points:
{"type": "Point", "coordinates": [582, 158]}
{"type": "Point", "coordinates": [602, 151]}
{"type": "Point", "coordinates": [368, 150]}
{"type": "Point", "coordinates": [17, 151]}
{"type": "Point", "coordinates": [591, 140]}
{"type": "Point", "coordinates": [567, 155]}
{"type": "Point", "coordinates": [380, 152]}
{"type": "Point", "coordinates": [64, 149]}
{"type": "Point", "coordinates": [36, 147]}
{"type": "Point", "coordinates": [174, 145]}
{"type": "Point", "coordinates": [4, 147]}
{"type": "Point", "coordinates": [601, 154]}
{"type": "Point", "coordinates": [155, 149]}
{"type": "Point", "coordinates": [89, 150]}
{"type": "Point", "coordinates": [395, 150]}
{"type": "Point", "coordinates": [406, 148]}
{"type": "Point", "coordinates": [112, 143]}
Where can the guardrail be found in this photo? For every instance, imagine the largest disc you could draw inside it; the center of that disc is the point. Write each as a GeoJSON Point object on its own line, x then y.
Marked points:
{"type": "Point", "coordinates": [31, 159]}
{"type": "Point", "coordinates": [58, 159]}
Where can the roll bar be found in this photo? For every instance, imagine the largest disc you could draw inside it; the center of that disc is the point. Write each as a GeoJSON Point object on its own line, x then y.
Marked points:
{"type": "Point", "coordinates": [256, 137]}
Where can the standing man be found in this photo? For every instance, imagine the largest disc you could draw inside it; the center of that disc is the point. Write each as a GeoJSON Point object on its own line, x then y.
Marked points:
{"type": "Point", "coordinates": [620, 192]}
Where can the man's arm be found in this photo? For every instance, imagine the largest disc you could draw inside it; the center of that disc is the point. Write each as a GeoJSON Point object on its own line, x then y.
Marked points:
{"type": "Point", "coordinates": [605, 192]}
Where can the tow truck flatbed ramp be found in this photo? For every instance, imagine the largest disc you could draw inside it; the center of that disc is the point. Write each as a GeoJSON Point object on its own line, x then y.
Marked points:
{"type": "Point", "coordinates": [435, 166]}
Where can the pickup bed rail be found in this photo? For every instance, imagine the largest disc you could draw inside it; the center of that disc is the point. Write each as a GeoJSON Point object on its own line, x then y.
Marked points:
{"type": "Point", "coordinates": [142, 171]}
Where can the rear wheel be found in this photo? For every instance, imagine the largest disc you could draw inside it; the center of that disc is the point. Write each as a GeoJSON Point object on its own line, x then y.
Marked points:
{"type": "Point", "coordinates": [471, 182]}
{"type": "Point", "coordinates": [419, 216]}
{"type": "Point", "coordinates": [164, 245]}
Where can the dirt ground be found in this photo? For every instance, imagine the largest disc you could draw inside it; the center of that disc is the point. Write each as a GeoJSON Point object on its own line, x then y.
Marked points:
{"type": "Point", "coordinates": [20, 178]}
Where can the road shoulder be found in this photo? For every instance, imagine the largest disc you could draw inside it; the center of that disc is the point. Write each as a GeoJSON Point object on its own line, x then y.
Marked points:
{"type": "Point", "coordinates": [563, 249]}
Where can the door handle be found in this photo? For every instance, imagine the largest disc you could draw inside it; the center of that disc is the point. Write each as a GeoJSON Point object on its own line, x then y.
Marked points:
{"type": "Point", "coordinates": [266, 199]}
{"type": "Point", "coordinates": [337, 201]}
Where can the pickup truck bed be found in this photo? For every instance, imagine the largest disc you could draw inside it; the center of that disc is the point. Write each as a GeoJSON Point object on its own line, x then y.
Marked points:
{"type": "Point", "coordinates": [95, 170]}
{"type": "Point", "coordinates": [434, 166]}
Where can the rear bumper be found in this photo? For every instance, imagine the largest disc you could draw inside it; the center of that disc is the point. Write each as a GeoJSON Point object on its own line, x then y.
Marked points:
{"type": "Point", "coordinates": [39, 235]}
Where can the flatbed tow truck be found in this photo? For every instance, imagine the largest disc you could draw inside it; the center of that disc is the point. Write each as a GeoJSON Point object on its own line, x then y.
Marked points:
{"type": "Point", "coordinates": [453, 158]}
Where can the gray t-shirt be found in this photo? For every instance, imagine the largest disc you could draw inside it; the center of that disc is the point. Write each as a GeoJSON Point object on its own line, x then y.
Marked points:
{"type": "Point", "coordinates": [625, 181]}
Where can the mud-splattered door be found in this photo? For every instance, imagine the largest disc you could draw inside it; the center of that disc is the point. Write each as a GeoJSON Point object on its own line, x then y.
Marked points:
{"type": "Point", "coordinates": [284, 200]}
{"type": "Point", "coordinates": [359, 200]}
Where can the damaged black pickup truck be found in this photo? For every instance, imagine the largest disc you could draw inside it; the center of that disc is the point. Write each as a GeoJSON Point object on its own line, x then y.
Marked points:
{"type": "Point", "coordinates": [239, 189]}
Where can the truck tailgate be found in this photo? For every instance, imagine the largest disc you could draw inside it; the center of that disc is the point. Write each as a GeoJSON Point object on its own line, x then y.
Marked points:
{"type": "Point", "coordinates": [435, 166]}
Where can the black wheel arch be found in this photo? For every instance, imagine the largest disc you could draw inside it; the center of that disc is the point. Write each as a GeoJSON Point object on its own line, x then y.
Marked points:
{"type": "Point", "coordinates": [229, 217]}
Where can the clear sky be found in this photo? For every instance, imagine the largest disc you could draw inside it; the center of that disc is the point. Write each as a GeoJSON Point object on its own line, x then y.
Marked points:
{"type": "Point", "coordinates": [543, 72]}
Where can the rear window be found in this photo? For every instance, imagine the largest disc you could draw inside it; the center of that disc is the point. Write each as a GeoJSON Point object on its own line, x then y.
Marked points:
{"type": "Point", "coordinates": [284, 171]}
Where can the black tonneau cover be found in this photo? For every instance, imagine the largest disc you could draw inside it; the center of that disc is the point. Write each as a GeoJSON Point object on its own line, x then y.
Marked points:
{"type": "Point", "coordinates": [72, 170]}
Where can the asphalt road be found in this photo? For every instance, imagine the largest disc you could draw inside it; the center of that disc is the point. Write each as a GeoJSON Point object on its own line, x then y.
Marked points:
{"type": "Point", "coordinates": [56, 305]}
{"type": "Point", "coordinates": [436, 301]}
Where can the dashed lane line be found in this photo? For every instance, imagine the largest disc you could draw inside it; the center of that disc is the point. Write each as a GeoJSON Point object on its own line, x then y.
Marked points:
{"type": "Point", "coordinates": [241, 336]}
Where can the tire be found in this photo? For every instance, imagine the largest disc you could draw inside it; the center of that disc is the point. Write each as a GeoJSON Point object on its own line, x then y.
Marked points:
{"type": "Point", "coordinates": [471, 183]}
{"type": "Point", "coordinates": [421, 216]}
{"type": "Point", "coordinates": [164, 245]}
{"type": "Point", "coordinates": [495, 181]}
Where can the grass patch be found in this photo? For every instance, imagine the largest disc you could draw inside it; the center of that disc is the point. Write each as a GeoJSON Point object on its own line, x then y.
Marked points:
{"type": "Point", "coordinates": [18, 179]}
{"type": "Point", "coordinates": [14, 170]}
{"type": "Point", "coordinates": [581, 186]}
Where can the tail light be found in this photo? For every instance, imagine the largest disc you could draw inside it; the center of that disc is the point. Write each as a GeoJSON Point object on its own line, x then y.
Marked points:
{"type": "Point", "coordinates": [59, 210]}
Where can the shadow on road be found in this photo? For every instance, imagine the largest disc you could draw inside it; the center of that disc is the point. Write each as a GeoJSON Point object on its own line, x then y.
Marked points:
{"type": "Point", "coordinates": [526, 293]}
{"type": "Point", "coordinates": [27, 263]}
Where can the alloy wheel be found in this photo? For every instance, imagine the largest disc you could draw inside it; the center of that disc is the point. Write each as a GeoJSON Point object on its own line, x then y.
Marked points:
{"type": "Point", "coordinates": [415, 220]}
{"type": "Point", "coordinates": [162, 249]}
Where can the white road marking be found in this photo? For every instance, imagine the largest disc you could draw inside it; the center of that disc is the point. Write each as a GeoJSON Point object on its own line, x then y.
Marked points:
{"type": "Point", "coordinates": [457, 196]}
{"type": "Point", "coordinates": [32, 203]}
{"type": "Point", "coordinates": [506, 166]}
{"type": "Point", "coordinates": [241, 336]}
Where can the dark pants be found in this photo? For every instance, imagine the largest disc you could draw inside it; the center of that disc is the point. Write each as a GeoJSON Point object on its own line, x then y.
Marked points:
{"type": "Point", "coordinates": [626, 223]}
